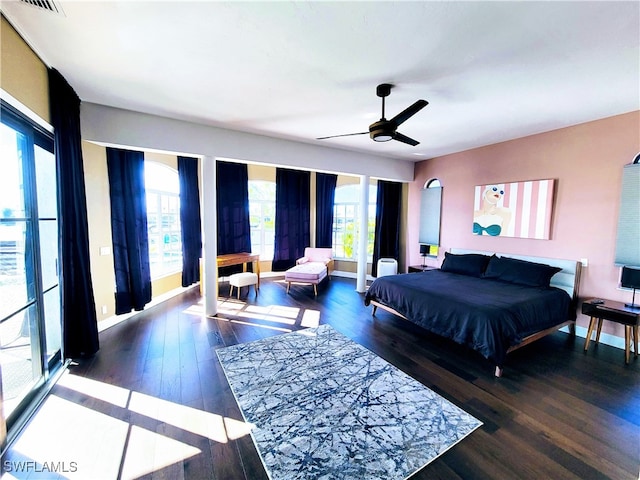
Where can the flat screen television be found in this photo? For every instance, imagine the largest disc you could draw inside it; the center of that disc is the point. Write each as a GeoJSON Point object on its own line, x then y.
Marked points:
{"type": "Point", "coordinates": [631, 279]}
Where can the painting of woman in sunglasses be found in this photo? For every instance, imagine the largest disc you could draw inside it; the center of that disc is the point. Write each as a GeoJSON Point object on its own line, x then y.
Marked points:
{"type": "Point", "coordinates": [492, 218]}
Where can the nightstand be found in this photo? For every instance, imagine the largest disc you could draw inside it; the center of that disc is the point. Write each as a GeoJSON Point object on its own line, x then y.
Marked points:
{"type": "Point", "coordinates": [420, 268]}
{"type": "Point", "coordinates": [614, 312]}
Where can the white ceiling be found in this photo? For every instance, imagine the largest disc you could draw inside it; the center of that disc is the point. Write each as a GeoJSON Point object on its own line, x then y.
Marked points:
{"type": "Point", "coordinates": [491, 71]}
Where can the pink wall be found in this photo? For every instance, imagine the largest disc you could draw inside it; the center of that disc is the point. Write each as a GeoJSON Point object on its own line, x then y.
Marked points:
{"type": "Point", "coordinates": [585, 160]}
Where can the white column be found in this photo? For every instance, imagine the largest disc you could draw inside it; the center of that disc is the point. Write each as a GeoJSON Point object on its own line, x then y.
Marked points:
{"type": "Point", "coordinates": [209, 236]}
{"type": "Point", "coordinates": [361, 272]}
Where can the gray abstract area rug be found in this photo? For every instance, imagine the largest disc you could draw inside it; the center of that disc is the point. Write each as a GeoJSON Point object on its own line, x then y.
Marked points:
{"type": "Point", "coordinates": [323, 407]}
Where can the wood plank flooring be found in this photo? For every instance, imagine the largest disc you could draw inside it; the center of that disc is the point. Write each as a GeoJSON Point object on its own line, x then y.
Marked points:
{"type": "Point", "coordinates": [154, 402]}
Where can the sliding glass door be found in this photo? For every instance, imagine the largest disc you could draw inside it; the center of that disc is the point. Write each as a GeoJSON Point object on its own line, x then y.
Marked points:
{"type": "Point", "coordinates": [30, 326]}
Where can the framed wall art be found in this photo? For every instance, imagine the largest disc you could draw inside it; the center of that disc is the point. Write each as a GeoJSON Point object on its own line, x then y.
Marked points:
{"type": "Point", "coordinates": [517, 209]}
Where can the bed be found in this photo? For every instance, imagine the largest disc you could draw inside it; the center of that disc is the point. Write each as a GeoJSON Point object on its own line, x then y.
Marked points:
{"type": "Point", "coordinates": [491, 303]}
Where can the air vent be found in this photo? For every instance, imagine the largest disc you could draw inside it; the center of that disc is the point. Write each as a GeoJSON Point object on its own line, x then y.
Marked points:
{"type": "Point", "coordinates": [48, 5]}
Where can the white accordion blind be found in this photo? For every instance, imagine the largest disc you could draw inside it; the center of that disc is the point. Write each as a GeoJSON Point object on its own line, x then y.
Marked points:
{"type": "Point", "coordinates": [628, 237]}
{"type": "Point", "coordinates": [430, 205]}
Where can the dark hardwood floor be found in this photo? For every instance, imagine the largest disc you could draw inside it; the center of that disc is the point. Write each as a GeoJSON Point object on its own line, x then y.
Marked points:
{"type": "Point", "coordinates": [163, 408]}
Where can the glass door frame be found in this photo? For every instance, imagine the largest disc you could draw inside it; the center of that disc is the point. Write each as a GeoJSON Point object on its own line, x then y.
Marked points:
{"type": "Point", "coordinates": [35, 134]}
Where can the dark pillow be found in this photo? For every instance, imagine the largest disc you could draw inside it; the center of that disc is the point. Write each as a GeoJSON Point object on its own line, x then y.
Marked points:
{"type": "Point", "coordinates": [520, 272]}
{"type": "Point", "coordinates": [471, 264]}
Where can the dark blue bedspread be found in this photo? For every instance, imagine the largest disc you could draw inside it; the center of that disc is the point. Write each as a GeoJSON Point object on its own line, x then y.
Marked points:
{"type": "Point", "coordinates": [488, 316]}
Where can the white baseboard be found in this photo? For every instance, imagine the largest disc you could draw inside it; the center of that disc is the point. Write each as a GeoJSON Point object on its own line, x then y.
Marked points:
{"type": "Point", "coordinates": [605, 338]}
{"type": "Point", "coordinates": [340, 273]}
{"type": "Point", "coordinates": [116, 319]}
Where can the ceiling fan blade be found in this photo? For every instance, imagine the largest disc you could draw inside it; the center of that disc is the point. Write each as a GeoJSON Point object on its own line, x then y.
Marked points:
{"type": "Point", "coordinates": [404, 139]}
{"type": "Point", "coordinates": [409, 112]}
{"type": "Point", "coordinates": [343, 135]}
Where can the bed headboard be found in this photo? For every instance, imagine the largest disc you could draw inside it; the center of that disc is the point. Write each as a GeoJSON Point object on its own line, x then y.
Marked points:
{"type": "Point", "coordinates": [567, 279]}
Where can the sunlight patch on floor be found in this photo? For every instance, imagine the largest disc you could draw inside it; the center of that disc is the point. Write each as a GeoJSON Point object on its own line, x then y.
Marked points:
{"type": "Point", "coordinates": [307, 318]}
{"type": "Point", "coordinates": [231, 306]}
{"type": "Point", "coordinates": [196, 310]}
{"type": "Point", "coordinates": [251, 324]}
{"type": "Point", "coordinates": [310, 319]}
{"type": "Point", "coordinates": [149, 451]}
{"type": "Point", "coordinates": [103, 391]}
{"type": "Point", "coordinates": [79, 428]}
{"type": "Point", "coordinates": [72, 424]}
{"type": "Point", "coordinates": [208, 425]}
{"type": "Point", "coordinates": [269, 318]}
{"type": "Point", "coordinates": [272, 313]}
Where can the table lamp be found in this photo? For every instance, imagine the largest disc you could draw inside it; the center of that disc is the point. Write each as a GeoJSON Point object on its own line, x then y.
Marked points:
{"type": "Point", "coordinates": [424, 250]}
{"type": "Point", "coordinates": [631, 279]}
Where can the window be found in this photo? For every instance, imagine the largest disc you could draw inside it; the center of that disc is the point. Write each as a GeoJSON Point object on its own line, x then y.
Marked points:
{"type": "Point", "coordinates": [628, 234]}
{"type": "Point", "coordinates": [430, 207]}
{"type": "Point", "coordinates": [262, 216]}
{"type": "Point", "coordinates": [163, 219]}
{"type": "Point", "coordinates": [346, 218]}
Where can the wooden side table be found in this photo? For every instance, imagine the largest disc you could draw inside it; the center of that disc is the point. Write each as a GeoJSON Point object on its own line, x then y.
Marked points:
{"type": "Point", "coordinates": [614, 312]}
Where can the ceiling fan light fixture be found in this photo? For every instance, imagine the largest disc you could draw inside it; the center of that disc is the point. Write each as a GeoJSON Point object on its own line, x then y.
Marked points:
{"type": "Point", "coordinates": [381, 137]}
{"type": "Point", "coordinates": [381, 131]}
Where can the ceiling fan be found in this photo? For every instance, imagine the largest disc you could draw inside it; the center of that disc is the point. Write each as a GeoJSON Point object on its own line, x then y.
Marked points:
{"type": "Point", "coordinates": [384, 130]}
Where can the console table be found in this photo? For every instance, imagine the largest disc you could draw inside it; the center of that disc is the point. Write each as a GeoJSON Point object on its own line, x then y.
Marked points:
{"type": "Point", "coordinates": [614, 312]}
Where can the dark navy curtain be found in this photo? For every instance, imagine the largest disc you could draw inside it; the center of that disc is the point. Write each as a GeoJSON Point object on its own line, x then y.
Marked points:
{"type": "Point", "coordinates": [232, 196]}
{"type": "Point", "coordinates": [190, 224]}
{"type": "Point", "coordinates": [79, 322]}
{"type": "Point", "coordinates": [325, 195]}
{"type": "Point", "coordinates": [292, 223]}
{"type": "Point", "coordinates": [129, 229]}
{"type": "Point", "coordinates": [387, 231]}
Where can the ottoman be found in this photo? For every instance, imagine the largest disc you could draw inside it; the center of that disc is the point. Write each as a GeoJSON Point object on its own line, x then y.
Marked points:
{"type": "Point", "coordinates": [244, 279]}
